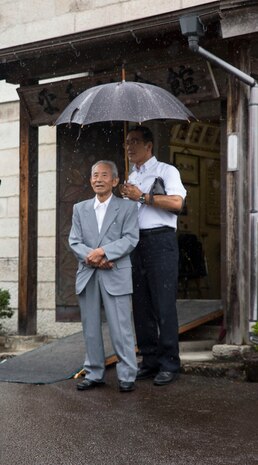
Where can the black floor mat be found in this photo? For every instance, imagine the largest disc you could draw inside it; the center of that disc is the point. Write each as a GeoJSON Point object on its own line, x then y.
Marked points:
{"type": "Point", "coordinates": [47, 364]}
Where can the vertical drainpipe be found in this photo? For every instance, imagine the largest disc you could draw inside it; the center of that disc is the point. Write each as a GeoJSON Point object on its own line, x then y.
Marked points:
{"type": "Point", "coordinates": [253, 152]}
{"type": "Point", "coordinates": [193, 41]}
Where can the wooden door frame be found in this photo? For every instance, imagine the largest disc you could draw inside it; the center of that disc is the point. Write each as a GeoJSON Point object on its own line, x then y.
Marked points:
{"type": "Point", "coordinates": [28, 233]}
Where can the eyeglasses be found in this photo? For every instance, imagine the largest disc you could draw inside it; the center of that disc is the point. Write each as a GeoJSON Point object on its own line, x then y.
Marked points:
{"type": "Point", "coordinates": [133, 142]}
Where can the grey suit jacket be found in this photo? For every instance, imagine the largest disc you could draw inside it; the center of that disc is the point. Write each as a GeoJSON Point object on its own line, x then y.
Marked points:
{"type": "Point", "coordinates": [119, 235]}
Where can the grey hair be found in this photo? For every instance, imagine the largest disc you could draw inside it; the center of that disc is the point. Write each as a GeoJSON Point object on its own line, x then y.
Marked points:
{"type": "Point", "coordinates": [109, 163]}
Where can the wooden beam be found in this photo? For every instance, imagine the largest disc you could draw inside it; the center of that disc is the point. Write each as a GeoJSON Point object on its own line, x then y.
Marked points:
{"type": "Point", "coordinates": [242, 21]}
{"type": "Point", "coordinates": [237, 259]}
{"type": "Point", "coordinates": [223, 205]}
{"type": "Point", "coordinates": [45, 102]}
{"type": "Point", "coordinates": [27, 299]}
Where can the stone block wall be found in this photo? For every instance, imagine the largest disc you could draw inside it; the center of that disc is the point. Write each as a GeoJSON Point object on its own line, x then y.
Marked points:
{"type": "Point", "coordinates": [9, 213]}
{"type": "Point", "coordinates": [9, 207]}
{"type": "Point", "coordinates": [9, 198]}
{"type": "Point", "coordinates": [46, 218]}
{"type": "Point", "coordinates": [27, 21]}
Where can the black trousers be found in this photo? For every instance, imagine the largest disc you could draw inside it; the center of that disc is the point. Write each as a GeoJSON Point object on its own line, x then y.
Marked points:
{"type": "Point", "coordinates": [155, 276]}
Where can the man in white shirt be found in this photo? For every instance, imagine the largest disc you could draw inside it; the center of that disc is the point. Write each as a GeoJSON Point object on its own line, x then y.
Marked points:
{"type": "Point", "coordinates": [155, 259]}
{"type": "Point", "coordinates": [104, 232]}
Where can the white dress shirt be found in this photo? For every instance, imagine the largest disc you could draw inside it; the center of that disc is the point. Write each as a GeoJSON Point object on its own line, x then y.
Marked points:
{"type": "Point", "coordinates": [143, 178]}
{"type": "Point", "coordinates": [100, 210]}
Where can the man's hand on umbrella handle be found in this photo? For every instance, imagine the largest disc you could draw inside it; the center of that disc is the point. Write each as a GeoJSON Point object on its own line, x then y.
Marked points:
{"type": "Point", "coordinates": [131, 191]}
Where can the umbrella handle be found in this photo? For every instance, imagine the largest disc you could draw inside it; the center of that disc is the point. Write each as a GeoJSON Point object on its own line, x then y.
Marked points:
{"type": "Point", "coordinates": [125, 153]}
{"type": "Point", "coordinates": [125, 135]}
{"type": "Point", "coordinates": [123, 72]}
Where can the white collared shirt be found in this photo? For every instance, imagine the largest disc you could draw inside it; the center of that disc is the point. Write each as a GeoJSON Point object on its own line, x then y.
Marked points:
{"type": "Point", "coordinates": [100, 210]}
{"type": "Point", "coordinates": [153, 217]}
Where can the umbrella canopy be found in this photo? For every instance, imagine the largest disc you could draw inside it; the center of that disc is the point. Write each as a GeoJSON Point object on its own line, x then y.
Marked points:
{"type": "Point", "coordinates": [124, 101]}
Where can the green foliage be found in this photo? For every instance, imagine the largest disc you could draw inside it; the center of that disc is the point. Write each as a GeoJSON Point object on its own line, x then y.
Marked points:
{"type": "Point", "coordinates": [255, 328]}
{"type": "Point", "coordinates": [255, 333]}
{"type": "Point", "coordinates": [5, 309]}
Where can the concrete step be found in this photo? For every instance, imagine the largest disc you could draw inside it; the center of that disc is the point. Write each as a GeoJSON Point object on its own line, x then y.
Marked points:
{"type": "Point", "coordinates": [198, 356]}
{"type": "Point", "coordinates": [196, 345]}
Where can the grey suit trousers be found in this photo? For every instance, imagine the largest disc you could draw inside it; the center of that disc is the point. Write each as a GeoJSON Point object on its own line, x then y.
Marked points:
{"type": "Point", "coordinates": [118, 312]}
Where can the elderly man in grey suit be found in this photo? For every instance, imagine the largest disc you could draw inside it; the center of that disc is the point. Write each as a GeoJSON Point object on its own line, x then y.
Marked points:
{"type": "Point", "coordinates": [104, 232]}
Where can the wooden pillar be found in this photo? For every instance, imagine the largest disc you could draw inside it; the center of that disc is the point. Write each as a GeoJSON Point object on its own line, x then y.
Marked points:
{"type": "Point", "coordinates": [223, 206]}
{"type": "Point", "coordinates": [27, 298]}
{"type": "Point", "coordinates": [237, 262]}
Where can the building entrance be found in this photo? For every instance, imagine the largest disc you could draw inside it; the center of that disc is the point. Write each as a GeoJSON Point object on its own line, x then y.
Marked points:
{"type": "Point", "coordinates": [195, 151]}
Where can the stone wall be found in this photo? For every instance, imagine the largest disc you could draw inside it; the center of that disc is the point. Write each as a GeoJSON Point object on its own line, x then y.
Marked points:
{"type": "Point", "coordinates": [9, 197]}
{"type": "Point", "coordinates": [9, 223]}
{"type": "Point", "coordinates": [27, 21]}
{"type": "Point", "coordinates": [46, 217]}
{"type": "Point", "coordinates": [9, 209]}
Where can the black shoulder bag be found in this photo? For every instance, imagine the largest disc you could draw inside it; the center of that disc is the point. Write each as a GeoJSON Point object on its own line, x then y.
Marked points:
{"type": "Point", "coordinates": [158, 188]}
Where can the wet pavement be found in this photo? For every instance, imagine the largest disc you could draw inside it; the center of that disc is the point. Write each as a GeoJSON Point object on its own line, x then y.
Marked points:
{"type": "Point", "coordinates": [195, 421]}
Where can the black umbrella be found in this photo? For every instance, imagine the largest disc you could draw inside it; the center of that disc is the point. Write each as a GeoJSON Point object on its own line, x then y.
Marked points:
{"type": "Point", "coordinates": [124, 101]}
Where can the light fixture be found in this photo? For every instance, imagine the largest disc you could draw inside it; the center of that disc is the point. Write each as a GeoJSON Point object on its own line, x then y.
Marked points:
{"type": "Point", "coordinates": [232, 152]}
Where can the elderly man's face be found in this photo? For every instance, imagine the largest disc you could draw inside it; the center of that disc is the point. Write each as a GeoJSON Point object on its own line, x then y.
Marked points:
{"type": "Point", "coordinates": [102, 181]}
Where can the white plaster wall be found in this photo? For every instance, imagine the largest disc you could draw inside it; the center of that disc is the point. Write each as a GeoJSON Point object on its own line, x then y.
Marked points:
{"type": "Point", "coordinates": [25, 21]}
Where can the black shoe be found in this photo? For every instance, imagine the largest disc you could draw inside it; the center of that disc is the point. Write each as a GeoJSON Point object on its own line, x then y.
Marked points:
{"type": "Point", "coordinates": [89, 384]}
{"type": "Point", "coordinates": [145, 373]}
{"type": "Point", "coordinates": [165, 377]}
{"type": "Point", "coordinates": [126, 386]}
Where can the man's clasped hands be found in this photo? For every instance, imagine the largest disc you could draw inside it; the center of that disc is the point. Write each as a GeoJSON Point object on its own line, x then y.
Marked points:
{"type": "Point", "coordinates": [96, 258]}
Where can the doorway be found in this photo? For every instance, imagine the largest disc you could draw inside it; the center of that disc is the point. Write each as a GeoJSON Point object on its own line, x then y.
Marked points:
{"type": "Point", "coordinates": [195, 151]}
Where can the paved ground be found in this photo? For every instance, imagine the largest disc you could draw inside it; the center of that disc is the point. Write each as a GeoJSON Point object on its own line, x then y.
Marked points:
{"type": "Point", "coordinates": [196, 421]}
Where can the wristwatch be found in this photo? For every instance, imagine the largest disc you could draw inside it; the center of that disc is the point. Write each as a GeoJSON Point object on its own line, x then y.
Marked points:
{"type": "Point", "coordinates": [142, 199]}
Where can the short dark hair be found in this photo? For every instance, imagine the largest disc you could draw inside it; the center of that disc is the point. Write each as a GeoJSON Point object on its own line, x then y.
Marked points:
{"type": "Point", "coordinates": [146, 133]}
